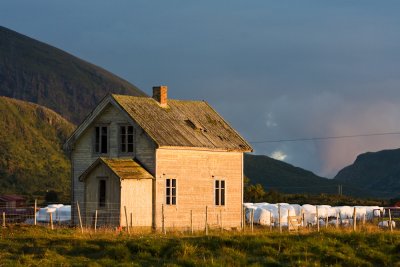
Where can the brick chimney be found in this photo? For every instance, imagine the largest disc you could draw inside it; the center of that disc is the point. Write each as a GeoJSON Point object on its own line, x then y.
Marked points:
{"type": "Point", "coordinates": [160, 94]}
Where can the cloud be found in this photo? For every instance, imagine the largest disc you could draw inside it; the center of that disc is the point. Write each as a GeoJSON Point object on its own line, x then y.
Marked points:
{"type": "Point", "coordinates": [278, 155]}
{"type": "Point", "coordinates": [273, 70]}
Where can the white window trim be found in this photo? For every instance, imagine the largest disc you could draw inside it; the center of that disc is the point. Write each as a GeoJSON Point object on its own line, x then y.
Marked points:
{"type": "Point", "coordinates": [94, 139]}
{"type": "Point", "coordinates": [119, 140]}
{"type": "Point", "coordinates": [176, 192]}
{"type": "Point", "coordinates": [214, 188]}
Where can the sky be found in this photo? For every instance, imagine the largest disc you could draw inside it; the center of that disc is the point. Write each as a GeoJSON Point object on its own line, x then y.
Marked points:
{"type": "Point", "coordinates": [275, 70]}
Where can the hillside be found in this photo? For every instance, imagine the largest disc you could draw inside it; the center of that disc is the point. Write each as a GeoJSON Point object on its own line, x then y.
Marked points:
{"type": "Point", "coordinates": [36, 72]}
{"type": "Point", "coordinates": [375, 172]}
{"type": "Point", "coordinates": [31, 158]}
{"type": "Point", "coordinates": [284, 177]}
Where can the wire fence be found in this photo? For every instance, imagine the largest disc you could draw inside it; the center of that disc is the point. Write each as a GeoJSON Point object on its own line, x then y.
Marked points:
{"type": "Point", "coordinates": [112, 216]}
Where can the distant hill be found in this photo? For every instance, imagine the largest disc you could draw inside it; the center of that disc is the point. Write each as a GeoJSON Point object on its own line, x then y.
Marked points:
{"type": "Point", "coordinates": [284, 177]}
{"type": "Point", "coordinates": [375, 172]}
{"type": "Point", "coordinates": [31, 158]}
{"type": "Point", "coordinates": [34, 71]}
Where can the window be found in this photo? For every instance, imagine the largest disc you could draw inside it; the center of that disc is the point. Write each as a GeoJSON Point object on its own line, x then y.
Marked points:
{"type": "Point", "coordinates": [101, 140]}
{"type": "Point", "coordinates": [220, 192]}
{"type": "Point", "coordinates": [102, 193]}
{"type": "Point", "coordinates": [126, 139]}
{"type": "Point", "coordinates": [170, 186]}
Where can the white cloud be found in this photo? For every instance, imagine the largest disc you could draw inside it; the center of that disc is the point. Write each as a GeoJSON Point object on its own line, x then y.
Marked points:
{"type": "Point", "coordinates": [278, 155]}
{"type": "Point", "coordinates": [270, 121]}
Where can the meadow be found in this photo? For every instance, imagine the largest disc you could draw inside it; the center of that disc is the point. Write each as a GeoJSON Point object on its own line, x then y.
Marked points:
{"type": "Point", "coordinates": [40, 246]}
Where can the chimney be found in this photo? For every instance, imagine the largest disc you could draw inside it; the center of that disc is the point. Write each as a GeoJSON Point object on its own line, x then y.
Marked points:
{"type": "Point", "coordinates": [160, 95]}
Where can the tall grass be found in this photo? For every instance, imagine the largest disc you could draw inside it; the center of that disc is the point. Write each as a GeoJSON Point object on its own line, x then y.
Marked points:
{"type": "Point", "coordinates": [30, 246]}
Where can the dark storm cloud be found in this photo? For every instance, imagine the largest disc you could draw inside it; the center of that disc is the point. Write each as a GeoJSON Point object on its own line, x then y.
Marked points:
{"type": "Point", "coordinates": [274, 69]}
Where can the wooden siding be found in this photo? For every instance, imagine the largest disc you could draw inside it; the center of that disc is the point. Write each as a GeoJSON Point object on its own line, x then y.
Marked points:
{"type": "Point", "coordinates": [196, 172]}
{"type": "Point", "coordinates": [109, 214]}
{"type": "Point", "coordinates": [82, 155]}
{"type": "Point", "coordinates": [136, 196]}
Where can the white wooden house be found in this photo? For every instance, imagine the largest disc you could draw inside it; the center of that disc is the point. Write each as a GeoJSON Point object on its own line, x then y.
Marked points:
{"type": "Point", "coordinates": [154, 157]}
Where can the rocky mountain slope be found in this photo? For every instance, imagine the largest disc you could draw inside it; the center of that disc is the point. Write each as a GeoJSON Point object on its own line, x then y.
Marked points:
{"type": "Point", "coordinates": [36, 72]}
{"type": "Point", "coordinates": [375, 172]}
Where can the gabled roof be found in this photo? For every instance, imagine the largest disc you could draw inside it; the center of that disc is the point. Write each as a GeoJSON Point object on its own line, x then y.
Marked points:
{"type": "Point", "coordinates": [122, 168]}
{"type": "Point", "coordinates": [181, 124]}
{"type": "Point", "coordinates": [189, 124]}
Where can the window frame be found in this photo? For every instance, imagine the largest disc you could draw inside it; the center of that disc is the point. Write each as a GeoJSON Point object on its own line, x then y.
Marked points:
{"type": "Point", "coordinates": [219, 192]}
{"type": "Point", "coordinates": [102, 204]}
{"type": "Point", "coordinates": [169, 197]}
{"type": "Point", "coordinates": [126, 142]}
{"type": "Point", "coordinates": [101, 126]}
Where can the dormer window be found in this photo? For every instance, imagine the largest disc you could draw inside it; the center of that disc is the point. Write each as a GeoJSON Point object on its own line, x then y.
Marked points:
{"type": "Point", "coordinates": [101, 140]}
{"type": "Point", "coordinates": [126, 134]}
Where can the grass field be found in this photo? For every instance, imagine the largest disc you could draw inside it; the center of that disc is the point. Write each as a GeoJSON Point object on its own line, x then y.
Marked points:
{"type": "Point", "coordinates": [39, 246]}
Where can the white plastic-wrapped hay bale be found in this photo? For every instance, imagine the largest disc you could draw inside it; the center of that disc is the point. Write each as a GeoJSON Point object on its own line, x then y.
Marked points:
{"type": "Point", "coordinates": [346, 222]}
{"type": "Point", "coordinates": [286, 211]}
{"type": "Point", "coordinates": [249, 211]}
{"type": "Point", "coordinates": [260, 204]}
{"type": "Point", "coordinates": [386, 224]}
{"type": "Point", "coordinates": [273, 210]}
{"type": "Point", "coordinates": [309, 214]}
{"type": "Point", "coordinates": [345, 212]}
{"type": "Point", "coordinates": [64, 213]}
{"type": "Point", "coordinates": [323, 211]}
{"type": "Point", "coordinates": [262, 216]}
{"type": "Point", "coordinates": [373, 211]}
{"type": "Point", "coordinates": [361, 211]}
{"type": "Point", "coordinates": [297, 209]}
{"type": "Point", "coordinates": [248, 205]}
{"type": "Point", "coordinates": [42, 215]}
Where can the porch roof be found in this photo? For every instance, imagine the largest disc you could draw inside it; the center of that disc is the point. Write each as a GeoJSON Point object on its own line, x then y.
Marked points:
{"type": "Point", "coordinates": [122, 168]}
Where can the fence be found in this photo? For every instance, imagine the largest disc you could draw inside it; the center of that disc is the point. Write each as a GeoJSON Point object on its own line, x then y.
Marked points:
{"type": "Point", "coordinates": [165, 219]}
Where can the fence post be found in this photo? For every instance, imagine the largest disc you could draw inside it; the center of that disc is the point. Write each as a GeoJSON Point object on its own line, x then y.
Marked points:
{"type": "Point", "coordinates": [363, 220]}
{"type": "Point", "coordinates": [288, 221]}
{"type": "Point", "coordinates": [95, 221]}
{"type": "Point", "coordinates": [354, 219]}
{"type": "Point", "coordinates": [317, 215]}
{"type": "Point", "coordinates": [206, 220]}
{"type": "Point", "coordinates": [4, 219]}
{"type": "Point", "coordinates": [126, 221]}
{"type": "Point", "coordinates": [191, 222]}
{"type": "Point", "coordinates": [390, 221]}
{"type": "Point", "coordinates": [131, 217]}
{"type": "Point", "coordinates": [252, 220]}
{"type": "Point", "coordinates": [163, 219]}
{"type": "Point", "coordinates": [34, 212]}
{"type": "Point", "coordinates": [303, 221]}
{"type": "Point", "coordinates": [337, 220]}
{"type": "Point", "coordinates": [79, 215]}
{"type": "Point", "coordinates": [51, 221]}
{"type": "Point", "coordinates": [270, 221]}
{"type": "Point", "coordinates": [279, 218]}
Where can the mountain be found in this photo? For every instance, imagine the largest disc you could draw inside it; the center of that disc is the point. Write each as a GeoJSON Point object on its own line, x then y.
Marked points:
{"type": "Point", "coordinates": [36, 72]}
{"type": "Point", "coordinates": [284, 177]}
{"type": "Point", "coordinates": [31, 156]}
{"type": "Point", "coordinates": [375, 172]}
